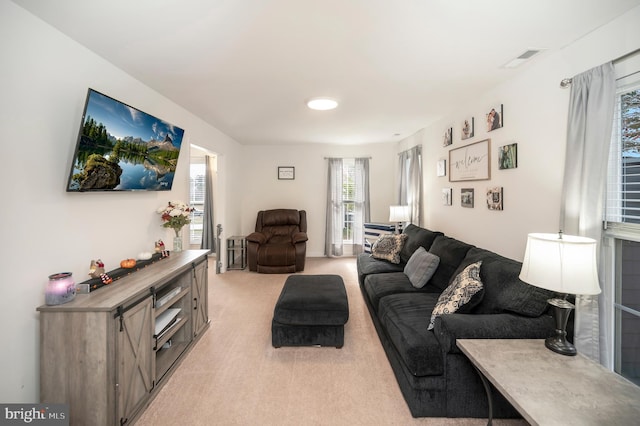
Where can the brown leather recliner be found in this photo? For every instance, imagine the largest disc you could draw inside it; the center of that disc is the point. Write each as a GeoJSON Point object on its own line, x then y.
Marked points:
{"type": "Point", "coordinates": [279, 244]}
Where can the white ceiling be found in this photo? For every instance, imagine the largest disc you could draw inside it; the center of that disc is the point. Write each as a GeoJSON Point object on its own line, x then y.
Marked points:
{"type": "Point", "coordinates": [248, 66]}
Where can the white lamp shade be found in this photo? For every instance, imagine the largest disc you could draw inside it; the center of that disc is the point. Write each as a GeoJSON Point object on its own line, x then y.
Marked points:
{"type": "Point", "coordinates": [399, 214]}
{"type": "Point", "coordinates": [564, 264]}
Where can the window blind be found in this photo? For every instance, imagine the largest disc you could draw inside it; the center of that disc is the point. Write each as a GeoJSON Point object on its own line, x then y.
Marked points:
{"type": "Point", "coordinates": [197, 187]}
{"type": "Point", "coordinates": [623, 184]}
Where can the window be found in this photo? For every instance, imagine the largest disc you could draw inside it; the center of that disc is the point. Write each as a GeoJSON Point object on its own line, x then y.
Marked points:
{"type": "Point", "coordinates": [622, 224]}
{"type": "Point", "coordinates": [623, 200]}
{"type": "Point", "coordinates": [196, 200]}
{"type": "Point", "coordinates": [348, 198]}
{"type": "Point", "coordinates": [347, 205]}
{"type": "Point", "coordinates": [627, 310]}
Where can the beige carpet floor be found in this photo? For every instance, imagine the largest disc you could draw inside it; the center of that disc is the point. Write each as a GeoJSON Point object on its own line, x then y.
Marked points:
{"type": "Point", "coordinates": [233, 376]}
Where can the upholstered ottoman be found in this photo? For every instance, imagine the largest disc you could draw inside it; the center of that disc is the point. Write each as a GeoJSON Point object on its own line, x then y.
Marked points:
{"type": "Point", "coordinates": [311, 311]}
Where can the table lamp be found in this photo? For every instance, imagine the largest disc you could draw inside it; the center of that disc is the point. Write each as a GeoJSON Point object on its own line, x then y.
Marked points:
{"type": "Point", "coordinates": [399, 214]}
{"type": "Point", "coordinates": [566, 265]}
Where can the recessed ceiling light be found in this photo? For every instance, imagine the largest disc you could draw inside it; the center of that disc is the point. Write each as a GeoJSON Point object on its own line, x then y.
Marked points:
{"type": "Point", "coordinates": [322, 104]}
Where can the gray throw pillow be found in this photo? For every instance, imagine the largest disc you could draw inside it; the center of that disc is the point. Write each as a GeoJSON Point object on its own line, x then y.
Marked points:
{"type": "Point", "coordinates": [388, 247]}
{"type": "Point", "coordinates": [421, 267]}
{"type": "Point", "coordinates": [460, 292]}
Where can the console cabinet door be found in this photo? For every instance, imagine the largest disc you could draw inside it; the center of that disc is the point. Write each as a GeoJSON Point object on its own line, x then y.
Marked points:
{"type": "Point", "coordinates": [199, 289]}
{"type": "Point", "coordinates": [135, 358]}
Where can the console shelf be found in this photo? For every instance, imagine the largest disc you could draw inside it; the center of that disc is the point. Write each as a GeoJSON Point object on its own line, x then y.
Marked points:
{"type": "Point", "coordinates": [100, 354]}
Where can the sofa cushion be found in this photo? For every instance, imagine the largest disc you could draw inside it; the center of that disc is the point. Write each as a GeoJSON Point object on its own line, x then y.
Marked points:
{"type": "Point", "coordinates": [416, 237]}
{"type": "Point", "coordinates": [404, 316]}
{"type": "Point", "coordinates": [377, 286]}
{"type": "Point", "coordinates": [451, 252]}
{"type": "Point", "coordinates": [421, 267]}
{"type": "Point", "coordinates": [464, 292]}
{"type": "Point", "coordinates": [388, 247]}
{"type": "Point", "coordinates": [503, 290]}
{"type": "Point", "coordinates": [449, 328]}
{"type": "Point", "coordinates": [277, 254]}
{"type": "Point", "coordinates": [367, 265]}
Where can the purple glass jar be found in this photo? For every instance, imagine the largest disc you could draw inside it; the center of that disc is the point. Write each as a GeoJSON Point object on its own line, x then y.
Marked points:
{"type": "Point", "coordinates": [60, 289]}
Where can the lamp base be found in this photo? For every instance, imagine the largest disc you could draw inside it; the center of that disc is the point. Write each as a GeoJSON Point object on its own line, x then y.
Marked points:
{"type": "Point", "coordinates": [559, 343]}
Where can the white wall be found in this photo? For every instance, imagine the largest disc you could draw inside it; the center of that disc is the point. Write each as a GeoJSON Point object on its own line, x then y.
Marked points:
{"type": "Point", "coordinates": [44, 79]}
{"type": "Point", "coordinates": [263, 190]}
{"type": "Point", "coordinates": [535, 111]}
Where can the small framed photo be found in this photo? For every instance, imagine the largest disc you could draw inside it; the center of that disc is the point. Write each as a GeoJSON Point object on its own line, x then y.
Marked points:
{"type": "Point", "coordinates": [447, 196]}
{"type": "Point", "coordinates": [494, 198]}
{"type": "Point", "coordinates": [508, 156]}
{"type": "Point", "coordinates": [495, 118]}
{"type": "Point", "coordinates": [447, 139]}
{"type": "Point", "coordinates": [466, 197]}
{"type": "Point", "coordinates": [467, 129]}
{"type": "Point", "coordinates": [441, 167]}
{"type": "Point", "coordinates": [286, 173]}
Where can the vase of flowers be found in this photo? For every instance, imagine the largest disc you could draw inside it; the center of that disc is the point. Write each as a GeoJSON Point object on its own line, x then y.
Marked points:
{"type": "Point", "coordinates": [175, 215]}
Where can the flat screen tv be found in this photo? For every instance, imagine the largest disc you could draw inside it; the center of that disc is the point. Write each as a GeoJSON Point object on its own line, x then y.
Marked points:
{"type": "Point", "coordinates": [121, 148]}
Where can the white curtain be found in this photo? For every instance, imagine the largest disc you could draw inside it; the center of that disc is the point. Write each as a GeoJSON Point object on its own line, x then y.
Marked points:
{"type": "Point", "coordinates": [333, 234]}
{"type": "Point", "coordinates": [362, 210]}
{"type": "Point", "coordinates": [410, 180]}
{"type": "Point", "coordinates": [591, 108]}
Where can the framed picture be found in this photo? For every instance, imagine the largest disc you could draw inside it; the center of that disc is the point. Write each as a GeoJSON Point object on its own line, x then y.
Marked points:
{"type": "Point", "coordinates": [286, 173]}
{"type": "Point", "coordinates": [448, 137]}
{"type": "Point", "coordinates": [494, 198]}
{"type": "Point", "coordinates": [441, 167]}
{"type": "Point", "coordinates": [447, 196]}
{"type": "Point", "coordinates": [508, 156]}
{"type": "Point", "coordinates": [467, 128]}
{"type": "Point", "coordinates": [466, 197]}
{"type": "Point", "coordinates": [470, 162]}
{"type": "Point", "coordinates": [495, 118]}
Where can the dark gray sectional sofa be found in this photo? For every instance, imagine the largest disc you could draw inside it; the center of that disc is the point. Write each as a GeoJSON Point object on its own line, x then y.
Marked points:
{"type": "Point", "coordinates": [436, 379]}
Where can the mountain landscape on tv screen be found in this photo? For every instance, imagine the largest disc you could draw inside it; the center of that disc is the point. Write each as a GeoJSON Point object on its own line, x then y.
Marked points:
{"type": "Point", "coordinates": [121, 148]}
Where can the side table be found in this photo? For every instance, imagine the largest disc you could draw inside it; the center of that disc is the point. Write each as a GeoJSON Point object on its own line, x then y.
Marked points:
{"type": "Point", "coordinates": [552, 389]}
{"type": "Point", "coordinates": [236, 252]}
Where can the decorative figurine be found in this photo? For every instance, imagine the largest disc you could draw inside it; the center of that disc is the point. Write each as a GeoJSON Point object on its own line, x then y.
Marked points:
{"type": "Point", "coordinates": [161, 249]}
{"type": "Point", "coordinates": [106, 279]}
{"type": "Point", "coordinates": [96, 270]}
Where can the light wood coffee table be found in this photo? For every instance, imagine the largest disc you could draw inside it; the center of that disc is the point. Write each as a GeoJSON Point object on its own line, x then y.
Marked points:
{"type": "Point", "coordinates": [552, 389]}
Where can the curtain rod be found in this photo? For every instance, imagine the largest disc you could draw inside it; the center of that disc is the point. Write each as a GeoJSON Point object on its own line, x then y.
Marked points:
{"type": "Point", "coordinates": [566, 82]}
{"type": "Point", "coordinates": [329, 158]}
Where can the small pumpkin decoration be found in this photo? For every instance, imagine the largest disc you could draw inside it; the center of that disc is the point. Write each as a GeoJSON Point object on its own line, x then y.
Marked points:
{"type": "Point", "coordinates": [145, 255]}
{"type": "Point", "coordinates": [128, 263]}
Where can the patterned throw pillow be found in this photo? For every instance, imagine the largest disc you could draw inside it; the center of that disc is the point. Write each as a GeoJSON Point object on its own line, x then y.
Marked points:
{"type": "Point", "coordinates": [421, 267]}
{"type": "Point", "coordinates": [461, 291]}
{"type": "Point", "coordinates": [388, 247]}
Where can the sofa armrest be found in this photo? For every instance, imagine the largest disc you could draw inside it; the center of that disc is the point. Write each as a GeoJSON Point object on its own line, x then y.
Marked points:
{"type": "Point", "coordinates": [450, 327]}
{"type": "Point", "coordinates": [257, 237]}
{"type": "Point", "coordinates": [299, 237]}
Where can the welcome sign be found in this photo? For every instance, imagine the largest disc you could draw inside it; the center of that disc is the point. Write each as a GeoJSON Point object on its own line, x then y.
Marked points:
{"type": "Point", "coordinates": [470, 162]}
